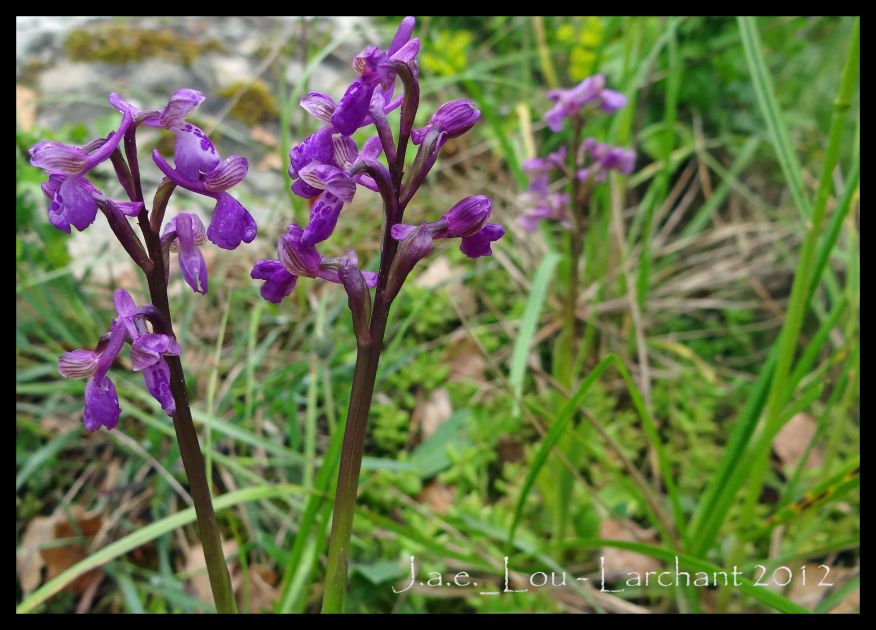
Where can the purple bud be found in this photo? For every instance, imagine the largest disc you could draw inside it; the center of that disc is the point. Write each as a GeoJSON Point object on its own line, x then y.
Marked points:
{"type": "Point", "coordinates": [416, 246]}
{"type": "Point", "coordinates": [457, 117]}
{"type": "Point", "coordinates": [468, 216]}
{"type": "Point", "coordinates": [358, 295]}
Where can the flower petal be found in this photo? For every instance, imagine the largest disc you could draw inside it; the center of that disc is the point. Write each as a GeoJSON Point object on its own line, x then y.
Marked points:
{"type": "Point", "coordinates": [345, 152]}
{"type": "Point", "coordinates": [400, 231]}
{"type": "Point", "coordinates": [228, 173]}
{"type": "Point", "coordinates": [58, 158]}
{"type": "Point", "coordinates": [77, 364]}
{"type": "Point", "coordinates": [77, 204]}
{"type": "Point", "coordinates": [278, 282]}
{"type": "Point", "coordinates": [148, 349]}
{"type": "Point", "coordinates": [298, 258]}
{"type": "Point", "coordinates": [479, 244]}
{"type": "Point", "coordinates": [128, 208]}
{"type": "Point", "coordinates": [101, 405]}
{"type": "Point", "coordinates": [402, 34]}
{"type": "Point", "coordinates": [468, 216]}
{"type": "Point", "coordinates": [181, 103]}
{"type": "Point", "coordinates": [194, 152]}
{"type": "Point", "coordinates": [320, 106]}
{"type": "Point", "coordinates": [157, 379]}
{"type": "Point", "coordinates": [323, 218]}
{"type": "Point", "coordinates": [330, 178]}
{"type": "Point", "coordinates": [231, 224]}
{"type": "Point", "coordinates": [191, 261]}
{"type": "Point", "coordinates": [353, 108]}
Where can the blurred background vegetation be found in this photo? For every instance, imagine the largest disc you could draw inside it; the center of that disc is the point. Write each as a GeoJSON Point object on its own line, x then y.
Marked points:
{"type": "Point", "coordinates": [705, 236]}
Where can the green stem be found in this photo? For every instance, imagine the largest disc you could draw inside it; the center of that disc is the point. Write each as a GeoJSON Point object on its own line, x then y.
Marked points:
{"type": "Point", "coordinates": [187, 436]}
{"type": "Point", "coordinates": [365, 374]}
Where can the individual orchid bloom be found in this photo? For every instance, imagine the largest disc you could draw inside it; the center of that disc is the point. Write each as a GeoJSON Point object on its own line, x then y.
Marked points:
{"type": "Point", "coordinates": [320, 161]}
{"type": "Point", "coordinates": [231, 223]}
{"type": "Point", "coordinates": [102, 407]}
{"type": "Point", "coordinates": [73, 200]}
{"type": "Point", "coordinates": [297, 258]}
{"type": "Point", "coordinates": [609, 158]}
{"type": "Point", "coordinates": [569, 102]}
{"type": "Point", "coordinates": [555, 160]}
{"type": "Point", "coordinates": [551, 206]}
{"type": "Point", "coordinates": [194, 153]}
{"type": "Point", "coordinates": [466, 220]}
{"type": "Point", "coordinates": [147, 349]}
{"type": "Point", "coordinates": [185, 233]}
{"type": "Point", "coordinates": [330, 180]}
{"type": "Point", "coordinates": [375, 68]}
{"type": "Point", "coordinates": [454, 117]}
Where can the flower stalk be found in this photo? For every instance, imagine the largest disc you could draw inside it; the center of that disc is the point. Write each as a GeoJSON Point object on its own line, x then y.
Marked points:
{"type": "Point", "coordinates": [327, 168]}
{"type": "Point", "coordinates": [74, 201]}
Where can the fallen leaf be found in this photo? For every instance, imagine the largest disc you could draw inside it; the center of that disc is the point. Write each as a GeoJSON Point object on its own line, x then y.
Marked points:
{"type": "Point", "coordinates": [196, 567]}
{"type": "Point", "coordinates": [444, 275]}
{"type": "Point", "coordinates": [465, 360]}
{"type": "Point", "coordinates": [29, 561]}
{"type": "Point", "coordinates": [59, 558]}
{"type": "Point", "coordinates": [437, 273]}
{"type": "Point", "coordinates": [437, 496]}
{"type": "Point", "coordinates": [791, 442]}
{"type": "Point", "coordinates": [851, 603]}
{"type": "Point", "coordinates": [433, 411]}
{"type": "Point", "coordinates": [620, 561]}
{"type": "Point", "coordinates": [261, 582]}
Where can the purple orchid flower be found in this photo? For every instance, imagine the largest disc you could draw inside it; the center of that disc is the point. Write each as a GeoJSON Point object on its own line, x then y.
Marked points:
{"type": "Point", "coordinates": [569, 102]}
{"type": "Point", "coordinates": [608, 158]}
{"type": "Point", "coordinates": [454, 118]}
{"type": "Point", "coordinates": [466, 220]}
{"type": "Point", "coordinates": [375, 67]}
{"type": "Point", "coordinates": [320, 167]}
{"type": "Point", "coordinates": [297, 258]}
{"type": "Point", "coordinates": [547, 205]}
{"type": "Point", "coordinates": [231, 223]}
{"type": "Point", "coordinates": [555, 160]}
{"type": "Point", "coordinates": [73, 200]}
{"type": "Point", "coordinates": [102, 407]}
{"type": "Point", "coordinates": [194, 153]}
{"type": "Point", "coordinates": [184, 233]}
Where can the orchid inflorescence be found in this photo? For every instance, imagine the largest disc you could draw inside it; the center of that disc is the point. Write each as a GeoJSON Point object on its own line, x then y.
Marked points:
{"type": "Point", "coordinates": [591, 160]}
{"type": "Point", "coordinates": [328, 167]}
{"type": "Point", "coordinates": [74, 201]}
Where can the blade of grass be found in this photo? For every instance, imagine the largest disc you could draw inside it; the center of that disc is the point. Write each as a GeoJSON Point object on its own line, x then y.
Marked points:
{"type": "Point", "coordinates": [144, 535]}
{"type": "Point", "coordinates": [531, 314]}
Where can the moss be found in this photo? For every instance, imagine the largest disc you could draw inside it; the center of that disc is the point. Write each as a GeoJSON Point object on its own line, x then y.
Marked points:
{"type": "Point", "coordinates": [31, 70]}
{"type": "Point", "coordinates": [256, 103]}
{"type": "Point", "coordinates": [119, 44]}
